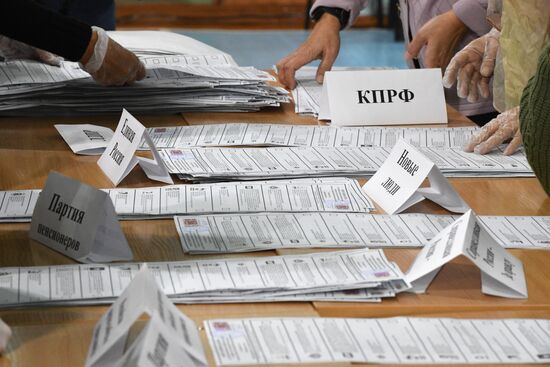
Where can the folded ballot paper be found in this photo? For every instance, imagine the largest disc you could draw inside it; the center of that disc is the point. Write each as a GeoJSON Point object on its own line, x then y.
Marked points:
{"type": "Point", "coordinates": [395, 341]}
{"type": "Point", "coordinates": [169, 338]}
{"type": "Point", "coordinates": [344, 276]}
{"type": "Point", "coordinates": [174, 83]}
{"type": "Point", "coordinates": [397, 184]}
{"type": "Point", "coordinates": [501, 273]}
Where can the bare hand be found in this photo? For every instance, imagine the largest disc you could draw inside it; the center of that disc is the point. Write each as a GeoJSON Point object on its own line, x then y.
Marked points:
{"type": "Point", "coordinates": [440, 36]}
{"type": "Point", "coordinates": [323, 43]}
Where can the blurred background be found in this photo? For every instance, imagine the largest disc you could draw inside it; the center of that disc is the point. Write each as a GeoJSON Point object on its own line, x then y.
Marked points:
{"type": "Point", "coordinates": [260, 32]}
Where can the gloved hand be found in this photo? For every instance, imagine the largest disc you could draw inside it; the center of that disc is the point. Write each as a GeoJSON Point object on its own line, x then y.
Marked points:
{"type": "Point", "coordinates": [473, 67]}
{"type": "Point", "coordinates": [503, 127]}
{"type": "Point", "coordinates": [11, 49]}
{"type": "Point", "coordinates": [111, 64]}
{"type": "Point", "coordinates": [323, 43]}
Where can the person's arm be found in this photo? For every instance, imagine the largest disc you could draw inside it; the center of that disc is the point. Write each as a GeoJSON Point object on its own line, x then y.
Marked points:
{"type": "Point", "coordinates": [473, 13]}
{"type": "Point", "coordinates": [442, 33]}
{"type": "Point", "coordinates": [30, 23]}
{"type": "Point", "coordinates": [534, 120]}
{"type": "Point", "coordinates": [106, 61]}
{"type": "Point", "coordinates": [323, 42]}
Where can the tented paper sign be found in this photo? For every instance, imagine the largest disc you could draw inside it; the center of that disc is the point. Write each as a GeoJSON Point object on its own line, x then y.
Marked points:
{"type": "Point", "coordinates": [169, 338]}
{"type": "Point", "coordinates": [119, 156]}
{"type": "Point", "coordinates": [397, 183]}
{"type": "Point", "coordinates": [383, 97]}
{"type": "Point", "coordinates": [501, 273]}
{"type": "Point", "coordinates": [85, 139]}
{"type": "Point", "coordinates": [79, 221]}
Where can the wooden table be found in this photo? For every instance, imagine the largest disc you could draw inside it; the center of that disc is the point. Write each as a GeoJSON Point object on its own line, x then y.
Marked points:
{"type": "Point", "coordinates": [31, 147]}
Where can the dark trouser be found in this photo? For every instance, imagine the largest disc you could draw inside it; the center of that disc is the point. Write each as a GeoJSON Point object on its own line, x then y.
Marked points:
{"type": "Point", "coordinates": [484, 118]}
{"type": "Point", "coordinates": [100, 13]}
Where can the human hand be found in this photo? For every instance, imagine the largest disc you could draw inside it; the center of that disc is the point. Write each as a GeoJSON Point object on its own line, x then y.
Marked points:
{"type": "Point", "coordinates": [440, 36]}
{"type": "Point", "coordinates": [5, 335]}
{"type": "Point", "coordinates": [323, 43]}
{"type": "Point", "coordinates": [503, 127]}
{"type": "Point", "coordinates": [473, 66]}
{"type": "Point", "coordinates": [110, 64]}
{"type": "Point", "coordinates": [11, 49]}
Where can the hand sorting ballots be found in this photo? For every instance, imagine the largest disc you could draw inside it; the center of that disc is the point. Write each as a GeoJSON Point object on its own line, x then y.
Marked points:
{"type": "Point", "coordinates": [109, 63]}
{"type": "Point", "coordinates": [500, 129]}
{"type": "Point", "coordinates": [472, 67]}
{"type": "Point", "coordinates": [323, 43]}
{"type": "Point", "coordinates": [11, 49]}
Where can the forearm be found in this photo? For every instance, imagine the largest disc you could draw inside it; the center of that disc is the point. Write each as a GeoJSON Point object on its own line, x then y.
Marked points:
{"type": "Point", "coordinates": [353, 6]}
{"type": "Point", "coordinates": [535, 120]}
{"type": "Point", "coordinates": [44, 29]}
{"type": "Point", "coordinates": [473, 14]}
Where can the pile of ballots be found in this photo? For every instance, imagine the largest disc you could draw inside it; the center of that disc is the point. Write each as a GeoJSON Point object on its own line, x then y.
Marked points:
{"type": "Point", "coordinates": [344, 276]}
{"type": "Point", "coordinates": [174, 83]}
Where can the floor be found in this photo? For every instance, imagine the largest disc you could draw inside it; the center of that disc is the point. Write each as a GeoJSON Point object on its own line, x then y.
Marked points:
{"type": "Point", "coordinates": [372, 47]}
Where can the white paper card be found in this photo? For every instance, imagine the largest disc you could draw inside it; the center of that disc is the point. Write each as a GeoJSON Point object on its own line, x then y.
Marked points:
{"type": "Point", "coordinates": [396, 185]}
{"type": "Point", "coordinates": [85, 139]}
{"type": "Point", "coordinates": [384, 97]}
{"type": "Point", "coordinates": [502, 273]}
{"type": "Point", "coordinates": [119, 156]}
{"type": "Point", "coordinates": [168, 336]}
{"type": "Point", "coordinates": [79, 221]}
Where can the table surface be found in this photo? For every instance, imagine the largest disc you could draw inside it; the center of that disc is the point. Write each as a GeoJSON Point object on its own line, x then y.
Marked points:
{"type": "Point", "coordinates": [31, 147]}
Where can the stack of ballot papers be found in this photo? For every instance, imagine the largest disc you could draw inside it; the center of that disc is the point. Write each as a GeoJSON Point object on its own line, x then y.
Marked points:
{"type": "Point", "coordinates": [307, 94]}
{"type": "Point", "coordinates": [203, 164]}
{"type": "Point", "coordinates": [353, 275]}
{"type": "Point", "coordinates": [399, 340]}
{"type": "Point", "coordinates": [88, 139]}
{"type": "Point", "coordinates": [302, 195]}
{"type": "Point", "coordinates": [229, 233]}
{"type": "Point", "coordinates": [300, 150]}
{"type": "Point", "coordinates": [174, 83]}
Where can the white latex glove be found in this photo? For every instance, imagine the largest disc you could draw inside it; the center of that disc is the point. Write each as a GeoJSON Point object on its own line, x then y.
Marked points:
{"type": "Point", "coordinates": [473, 66]}
{"type": "Point", "coordinates": [500, 129]}
{"type": "Point", "coordinates": [11, 49]}
{"type": "Point", "coordinates": [112, 64]}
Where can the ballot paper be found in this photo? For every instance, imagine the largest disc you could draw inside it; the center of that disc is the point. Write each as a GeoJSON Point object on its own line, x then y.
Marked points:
{"type": "Point", "coordinates": [383, 97]}
{"type": "Point", "coordinates": [396, 185]}
{"type": "Point", "coordinates": [337, 194]}
{"type": "Point", "coordinates": [244, 232]}
{"type": "Point", "coordinates": [174, 83]}
{"type": "Point", "coordinates": [85, 139]}
{"type": "Point", "coordinates": [398, 340]}
{"type": "Point", "coordinates": [501, 273]}
{"type": "Point", "coordinates": [119, 157]}
{"type": "Point", "coordinates": [246, 134]}
{"type": "Point", "coordinates": [317, 276]}
{"type": "Point", "coordinates": [307, 94]}
{"type": "Point", "coordinates": [82, 138]}
{"type": "Point", "coordinates": [202, 164]}
{"type": "Point", "coordinates": [78, 221]}
{"type": "Point", "coordinates": [155, 43]}
{"type": "Point", "coordinates": [169, 337]}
